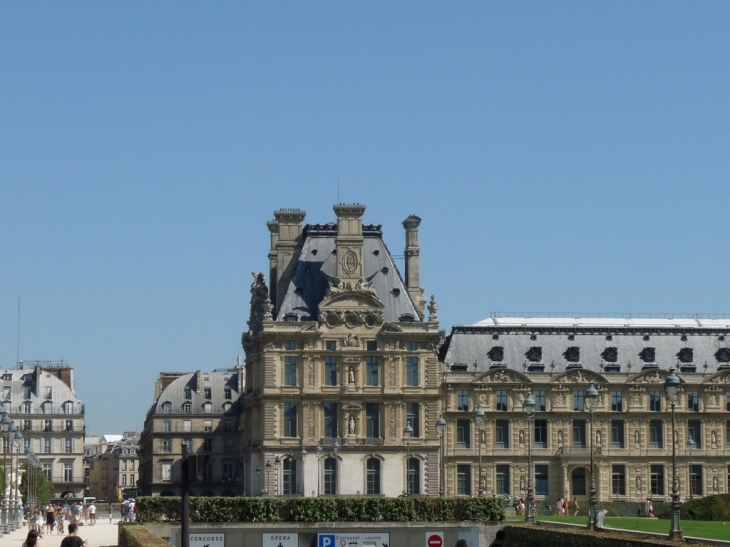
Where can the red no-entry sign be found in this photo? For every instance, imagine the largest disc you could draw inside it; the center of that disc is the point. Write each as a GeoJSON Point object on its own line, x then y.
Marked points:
{"type": "Point", "coordinates": [435, 539]}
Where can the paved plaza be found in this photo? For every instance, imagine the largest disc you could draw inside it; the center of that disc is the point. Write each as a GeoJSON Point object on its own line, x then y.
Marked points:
{"type": "Point", "coordinates": [102, 534]}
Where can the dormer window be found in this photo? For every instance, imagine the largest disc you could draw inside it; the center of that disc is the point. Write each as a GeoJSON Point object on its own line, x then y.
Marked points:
{"type": "Point", "coordinates": [289, 317]}
{"type": "Point", "coordinates": [188, 392]}
{"type": "Point", "coordinates": [166, 408]}
{"type": "Point", "coordinates": [207, 393]}
{"type": "Point", "coordinates": [187, 408]}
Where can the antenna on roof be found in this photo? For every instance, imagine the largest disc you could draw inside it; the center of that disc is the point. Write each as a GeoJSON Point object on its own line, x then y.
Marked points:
{"type": "Point", "coordinates": [17, 346]}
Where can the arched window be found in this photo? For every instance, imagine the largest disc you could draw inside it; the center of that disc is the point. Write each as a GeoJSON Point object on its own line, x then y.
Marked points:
{"type": "Point", "coordinates": [187, 408]}
{"type": "Point", "coordinates": [373, 477]}
{"type": "Point", "coordinates": [330, 477]}
{"type": "Point", "coordinates": [290, 477]}
{"type": "Point", "coordinates": [414, 476]}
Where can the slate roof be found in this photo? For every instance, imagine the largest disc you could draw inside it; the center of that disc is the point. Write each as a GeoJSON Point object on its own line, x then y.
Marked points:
{"type": "Point", "coordinates": [216, 381]}
{"type": "Point", "coordinates": [604, 345]}
{"type": "Point", "coordinates": [308, 286]}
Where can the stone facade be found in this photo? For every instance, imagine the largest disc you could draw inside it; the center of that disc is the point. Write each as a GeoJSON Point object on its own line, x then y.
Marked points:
{"type": "Point", "coordinates": [114, 468]}
{"type": "Point", "coordinates": [200, 410]}
{"type": "Point", "coordinates": [41, 399]}
{"type": "Point", "coordinates": [339, 360]}
{"type": "Point", "coordinates": [496, 363]}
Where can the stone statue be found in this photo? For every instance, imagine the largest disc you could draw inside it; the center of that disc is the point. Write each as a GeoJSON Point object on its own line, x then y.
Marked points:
{"type": "Point", "coordinates": [522, 437]}
{"type": "Point", "coordinates": [351, 376]}
{"type": "Point", "coordinates": [352, 425]}
{"type": "Point", "coordinates": [638, 484]}
{"type": "Point", "coordinates": [636, 437]}
{"type": "Point", "coordinates": [598, 438]}
{"type": "Point", "coordinates": [715, 485]}
{"type": "Point", "coordinates": [482, 436]}
{"type": "Point", "coordinates": [560, 441]}
{"type": "Point", "coordinates": [713, 437]}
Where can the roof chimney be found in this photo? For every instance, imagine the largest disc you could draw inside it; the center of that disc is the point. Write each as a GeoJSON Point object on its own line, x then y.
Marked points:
{"type": "Point", "coordinates": [413, 269]}
{"type": "Point", "coordinates": [288, 237]}
{"type": "Point", "coordinates": [349, 240]}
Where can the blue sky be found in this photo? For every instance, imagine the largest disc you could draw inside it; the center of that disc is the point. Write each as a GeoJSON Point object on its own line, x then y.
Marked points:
{"type": "Point", "coordinates": [564, 157]}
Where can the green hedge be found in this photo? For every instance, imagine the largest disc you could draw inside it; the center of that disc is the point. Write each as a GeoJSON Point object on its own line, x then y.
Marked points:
{"type": "Point", "coordinates": [132, 535]}
{"type": "Point", "coordinates": [359, 509]}
{"type": "Point", "coordinates": [707, 508]}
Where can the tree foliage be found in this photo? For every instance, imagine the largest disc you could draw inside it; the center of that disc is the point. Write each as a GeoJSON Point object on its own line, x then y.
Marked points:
{"type": "Point", "coordinates": [42, 486]}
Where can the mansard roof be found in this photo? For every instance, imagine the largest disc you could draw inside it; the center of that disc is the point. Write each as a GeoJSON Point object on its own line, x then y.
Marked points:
{"type": "Point", "coordinates": [217, 381]}
{"type": "Point", "coordinates": [308, 285]}
{"type": "Point", "coordinates": [605, 345]}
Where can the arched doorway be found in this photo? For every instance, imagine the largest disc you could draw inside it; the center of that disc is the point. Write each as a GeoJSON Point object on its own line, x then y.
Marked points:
{"type": "Point", "coordinates": [578, 481]}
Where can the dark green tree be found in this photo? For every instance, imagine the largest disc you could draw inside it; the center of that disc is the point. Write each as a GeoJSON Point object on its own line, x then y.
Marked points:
{"type": "Point", "coordinates": [42, 486]}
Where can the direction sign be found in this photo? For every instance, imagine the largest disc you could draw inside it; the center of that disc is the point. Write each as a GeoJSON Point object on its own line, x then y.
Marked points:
{"type": "Point", "coordinates": [280, 539]}
{"type": "Point", "coordinates": [434, 539]}
{"type": "Point", "coordinates": [207, 540]}
{"type": "Point", "coordinates": [353, 540]}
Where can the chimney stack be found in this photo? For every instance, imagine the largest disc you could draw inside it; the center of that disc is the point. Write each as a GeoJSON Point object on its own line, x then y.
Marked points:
{"type": "Point", "coordinates": [286, 231]}
{"type": "Point", "coordinates": [349, 241]}
{"type": "Point", "coordinates": [413, 269]}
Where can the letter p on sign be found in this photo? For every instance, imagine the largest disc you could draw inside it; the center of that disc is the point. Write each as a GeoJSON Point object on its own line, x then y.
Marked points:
{"type": "Point", "coordinates": [434, 539]}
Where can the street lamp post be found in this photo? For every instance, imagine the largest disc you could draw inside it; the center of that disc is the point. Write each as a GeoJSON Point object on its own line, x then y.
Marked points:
{"type": "Point", "coordinates": [671, 387]}
{"type": "Point", "coordinates": [591, 401]}
{"type": "Point", "coordinates": [16, 485]}
{"type": "Point", "coordinates": [5, 425]}
{"type": "Point", "coordinates": [479, 418]}
{"type": "Point", "coordinates": [690, 447]}
{"type": "Point", "coordinates": [303, 454]}
{"type": "Point", "coordinates": [441, 429]}
{"type": "Point", "coordinates": [268, 478]}
{"type": "Point", "coordinates": [407, 434]}
{"type": "Point", "coordinates": [529, 407]}
{"type": "Point", "coordinates": [258, 477]}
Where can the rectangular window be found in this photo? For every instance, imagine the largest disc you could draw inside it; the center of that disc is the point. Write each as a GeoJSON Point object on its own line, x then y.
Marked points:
{"type": "Point", "coordinates": [463, 480]}
{"type": "Point", "coordinates": [541, 480]}
{"type": "Point", "coordinates": [188, 445]}
{"type": "Point", "coordinates": [617, 434]}
{"type": "Point", "coordinates": [6, 393]}
{"type": "Point", "coordinates": [372, 371]}
{"type": "Point", "coordinates": [167, 426]}
{"type": "Point", "coordinates": [48, 445]}
{"type": "Point", "coordinates": [330, 345]}
{"type": "Point", "coordinates": [208, 445]}
{"type": "Point", "coordinates": [502, 475]}
{"type": "Point", "coordinates": [411, 371]}
{"type": "Point", "coordinates": [656, 439]}
{"type": "Point", "coordinates": [500, 397]}
{"type": "Point", "coordinates": [27, 425]}
{"type": "Point", "coordinates": [413, 417]}
{"type": "Point", "coordinates": [694, 430]}
{"type": "Point", "coordinates": [372, 345]}
{"type": "Point", "coordinates": [290, 370]}
{"type": "Point", "coordinates": [655, 401]}
{"type": "Point", "coordinates": [462, 400]}
{"type": "Point", "coordinates": [208, 472]}
{"type": "Point", "coordinates": [166, 446]}
{"type": "Point", "coordinates": [618, 480]}
{"type": "Point", "coordinates": [226, 393]}
{"type": "Point", "coordinates": [330, 419]}
{"type": "Point", "coordinates": [68, 446]}
{"type": "Point", "coordinates": [695, 481]}
{"type": "Point", "coordinates": [69, 425]}
{"type": "Point", "coordinates": [207, 393]}
{"type": "Point", "coordinates": [330, 371]}
{"type": "Point", "coordinates": [188, 392]}
{"type": "Point", "coordinates": [47, 471]}
{"type": "Point", "coordinates": [187, 426]}
{"type": "Point", "coordinates": [501, 430]}
{"type": "Point", "coordinates": [579, 433]}
{"type": "Point", "coordinates": [579, 400]}
{"type": "Point", "coordinates": [208, 426]}
{"type": "Point", "coordinates": [228, 426]}
{"type": "Point", "coordinates": [68, 472]}
{"type": "Point", "coordinates": [166, 471]}
{"type": "Point", "coordinates": [372, 419]}
{"type": "Point", "coordinates": [124, 480]}
{"type": "Point", "coordinates": [124, 465]}
{"type": "Point", "coordinates": [227, 472]}
{"type": "Point", "coordinates": [228, 446]}
{"type": "Point", "coordinates": [727, 434]}
{"type": "Point", "coordinates": [727, 401]}
{"type": "Point", "coordinates": [412, 346]}
{"type": "Point", "coordinates": [540, 404]}
{"type": "Point", "coordinates": [290, 345]}
{"type": "Point", "coordinates": [47, 425]}
{"type": "Point", "coordinates": [463, 434]}
{"type": "Point", "coordinates": [617, 401]}
{"type": "Point", "coordinates": [290, 420]}
{"type": "Point", "coordinates": [541, 434]}
{"type": "Point", "coordinates": [657, 480]}
{"type": "Point", "coordinates": [693, 401]}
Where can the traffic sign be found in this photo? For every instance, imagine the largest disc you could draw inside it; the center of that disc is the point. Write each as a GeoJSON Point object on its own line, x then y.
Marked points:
{"type": "Point", "coordinates": [434, 539]}
{"type": "Point", "coordinates": [280, 539]}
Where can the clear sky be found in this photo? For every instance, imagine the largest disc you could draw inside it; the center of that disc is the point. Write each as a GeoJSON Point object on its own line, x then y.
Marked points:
{"type": "Point", "coordinates": [564, 157]}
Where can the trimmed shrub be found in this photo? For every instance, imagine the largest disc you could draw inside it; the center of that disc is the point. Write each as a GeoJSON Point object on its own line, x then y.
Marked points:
{"type": "Point", "coordinates": [323, 509]}
{"type": "Point", "coordinates": [133, 535]}
{"type": "Point", "coordinates": [707, 508]}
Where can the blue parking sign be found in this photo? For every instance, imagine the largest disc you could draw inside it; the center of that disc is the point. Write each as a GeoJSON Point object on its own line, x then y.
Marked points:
{"type": "Point", "coordinates": [326, 540]}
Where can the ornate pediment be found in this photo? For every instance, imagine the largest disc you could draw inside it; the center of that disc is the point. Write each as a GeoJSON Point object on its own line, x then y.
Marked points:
{"type": "Point", "coordinates": [722, 377]}
{"type": "Point", "coordinates": [579, 377]}
{"type": "Point", "coordinates": [655, 376]}
{"type": "Point", "coordinates": [351, 303]}
{"type": "Point", "coordinates": [499, 376]}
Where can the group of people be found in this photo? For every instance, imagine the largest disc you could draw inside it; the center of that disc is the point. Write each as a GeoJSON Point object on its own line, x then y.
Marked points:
{"type": "Point", "coordinates": [54, 518]}
{"type": "Point", "coordinates": [129, 510]}
{"type": "Point", "coordinates": [563, 509]}
{"type": "Point", "coordinates": [71, 540]}
{"type": "Point", "coordinates": [520, 506]}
